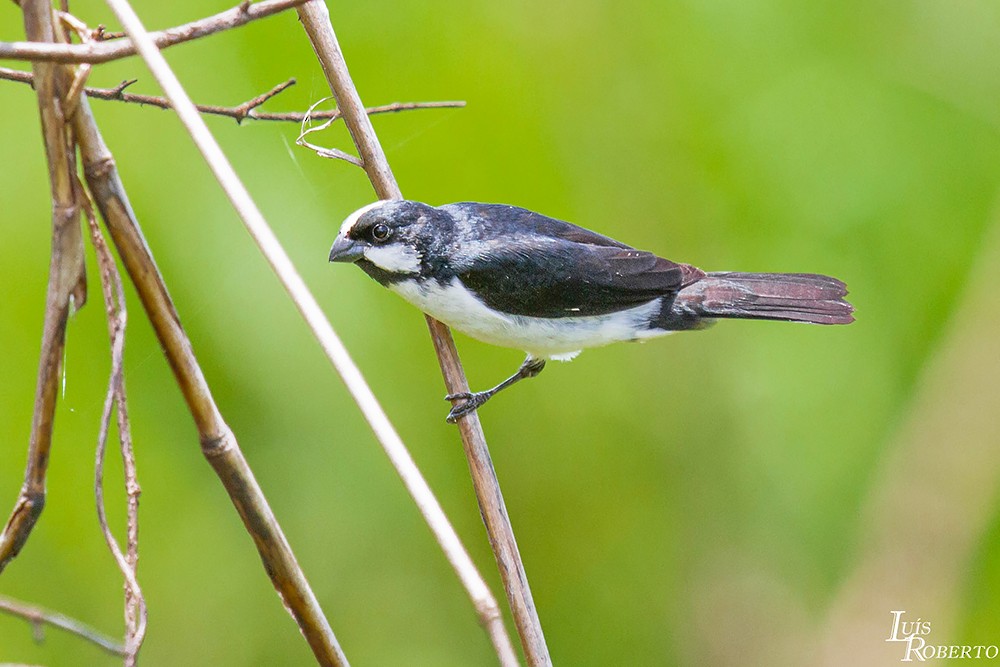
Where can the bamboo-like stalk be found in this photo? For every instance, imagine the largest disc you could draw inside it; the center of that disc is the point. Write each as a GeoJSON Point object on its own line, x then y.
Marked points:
{"type": "Point", "coordinates": [66, 288]}
{"type": "Point", "coordinates": [316, 21]}
{"type": "Point", "coordinates": [218, 443]}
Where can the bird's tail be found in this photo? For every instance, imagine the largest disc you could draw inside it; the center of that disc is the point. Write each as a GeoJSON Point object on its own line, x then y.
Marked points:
{"type": "Point", "coordinates": [792, 297]}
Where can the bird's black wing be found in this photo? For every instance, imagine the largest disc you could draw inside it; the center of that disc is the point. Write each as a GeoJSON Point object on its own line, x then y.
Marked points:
{"type": "Point", "coordinates": [555, 277]}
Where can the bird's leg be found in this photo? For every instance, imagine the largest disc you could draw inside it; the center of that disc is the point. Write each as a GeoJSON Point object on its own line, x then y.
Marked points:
{"type": "Point", "coordinates": [529, 369]}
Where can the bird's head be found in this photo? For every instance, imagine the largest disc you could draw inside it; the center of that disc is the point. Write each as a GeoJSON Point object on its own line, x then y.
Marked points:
{"type": "Point", "coordinates": [391, 240]}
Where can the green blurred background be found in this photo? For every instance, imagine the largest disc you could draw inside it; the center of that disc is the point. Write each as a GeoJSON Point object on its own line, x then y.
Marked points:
{"type": "Point", "coordinates": [705, 499]}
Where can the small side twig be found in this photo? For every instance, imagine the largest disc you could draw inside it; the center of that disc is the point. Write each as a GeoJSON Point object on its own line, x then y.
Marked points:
{"type": "Point", "coordinates": [243, 110]}
{"type": "Point", "coordinates": [39, 617]}
{"type": "Point", "coordinates": [102, 34]}
{"type": "Point", "coordinates": [247, 110]}
{"type": "Point", "coordinates": [102, 52]}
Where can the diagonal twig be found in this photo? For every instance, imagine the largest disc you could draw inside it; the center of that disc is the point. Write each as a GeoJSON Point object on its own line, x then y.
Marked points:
{"type": "Point", "coordinates": [320, 326]}
{"type": "Point", "coordinates": [38, 617]}
{"type": "Point", "coordinates": [102, 52]}
{"type": "Point", "coordinates": [242, 111]}
{"type": "Point", "coordinates": [247, 110]}
{"type": "Point", "coordinates": [316, 21]}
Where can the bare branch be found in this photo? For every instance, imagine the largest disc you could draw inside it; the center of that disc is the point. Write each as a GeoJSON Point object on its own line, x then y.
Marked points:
{"type": "Point", "coordinates": [316, 21]}
{"type": "Point", "coordinates": [247, 110]}
{"type": "Point", "coordinates": [243, 110]}
{"type": "Point", "coordinates": [102, 52]}
{"type": "Point", "coordinates": [17, 75]}
{"type": "Point", "coordinates": [67, 280]}
{"type": "Point", "coordinates": [335, 114]}
{"type": "Point", "coordinates": [38, 617]}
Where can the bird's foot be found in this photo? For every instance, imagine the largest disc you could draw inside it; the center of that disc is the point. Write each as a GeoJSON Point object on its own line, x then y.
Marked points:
{"type": "Point", "coordinates": [472, 400]}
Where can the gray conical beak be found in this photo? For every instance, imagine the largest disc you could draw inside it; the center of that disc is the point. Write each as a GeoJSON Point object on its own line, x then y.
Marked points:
{"type": "Point", "coordinates": [346, 250]}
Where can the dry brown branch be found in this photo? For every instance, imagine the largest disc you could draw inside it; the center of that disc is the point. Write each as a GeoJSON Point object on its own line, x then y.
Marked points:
{"type": "Point", "coordinates": [316, 21]}
{"type": "Point", "coordinates": [218, 443]}
{"type": "Point", "coordinates": [491, 505]}
{"type": "Point", "coordinates": [114, 305]}
{"type": "Point", "coordinates": [335, 114]}
{"type": "Point", "coordinates": [39, 617]}
{"type": "Point", "coordinates": [66, 289]}
{"type": "Point", "coordinates": [240, 112]}
{"type": "Point", "coordinates": [102, 52]}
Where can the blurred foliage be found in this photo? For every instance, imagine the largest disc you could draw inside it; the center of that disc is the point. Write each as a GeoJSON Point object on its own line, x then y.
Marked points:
{"type": "Point", "coordinates": [662, 494]}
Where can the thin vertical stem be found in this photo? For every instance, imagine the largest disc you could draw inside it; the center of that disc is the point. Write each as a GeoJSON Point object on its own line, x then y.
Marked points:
{"type": "Point", "coordinates": [113, 292]}
{"type": "Point", "coordinates": [67, 281]}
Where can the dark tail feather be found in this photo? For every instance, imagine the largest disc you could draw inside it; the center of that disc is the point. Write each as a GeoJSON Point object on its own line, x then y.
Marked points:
{"type": "Point", "coordinates": [793, 297]}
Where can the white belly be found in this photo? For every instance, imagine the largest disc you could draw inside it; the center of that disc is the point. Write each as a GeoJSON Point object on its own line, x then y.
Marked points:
{"type": "Point", "coordinates": [541, 337]}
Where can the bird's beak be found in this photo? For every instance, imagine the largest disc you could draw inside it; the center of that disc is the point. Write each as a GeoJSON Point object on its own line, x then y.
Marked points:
{"type": "Point", "coordinates": [346, 250]}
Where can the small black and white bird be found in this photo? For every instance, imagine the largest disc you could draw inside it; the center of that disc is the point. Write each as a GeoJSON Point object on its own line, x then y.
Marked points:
{"type": "Point", "coordinates": [511, 277]}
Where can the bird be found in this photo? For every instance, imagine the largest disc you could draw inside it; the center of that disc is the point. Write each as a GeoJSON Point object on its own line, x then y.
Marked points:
{"type": "Point", "coordinates": [511, 277]}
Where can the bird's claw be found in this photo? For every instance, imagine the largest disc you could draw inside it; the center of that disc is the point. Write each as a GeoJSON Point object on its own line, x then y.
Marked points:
{"type": "Point", "coordinates": [472, 401]}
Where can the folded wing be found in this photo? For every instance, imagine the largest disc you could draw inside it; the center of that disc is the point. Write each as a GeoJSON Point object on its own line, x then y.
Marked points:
{"type": "Point", "coordinates": [554, 277]}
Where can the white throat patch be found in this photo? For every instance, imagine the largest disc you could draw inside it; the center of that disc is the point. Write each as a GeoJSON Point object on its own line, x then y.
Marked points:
{"type": "Point", "coordinates": [394, 257]}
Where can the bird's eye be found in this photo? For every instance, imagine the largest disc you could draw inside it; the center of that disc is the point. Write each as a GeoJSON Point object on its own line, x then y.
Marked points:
{"type": "Point", "coordinates": [381, 232]}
